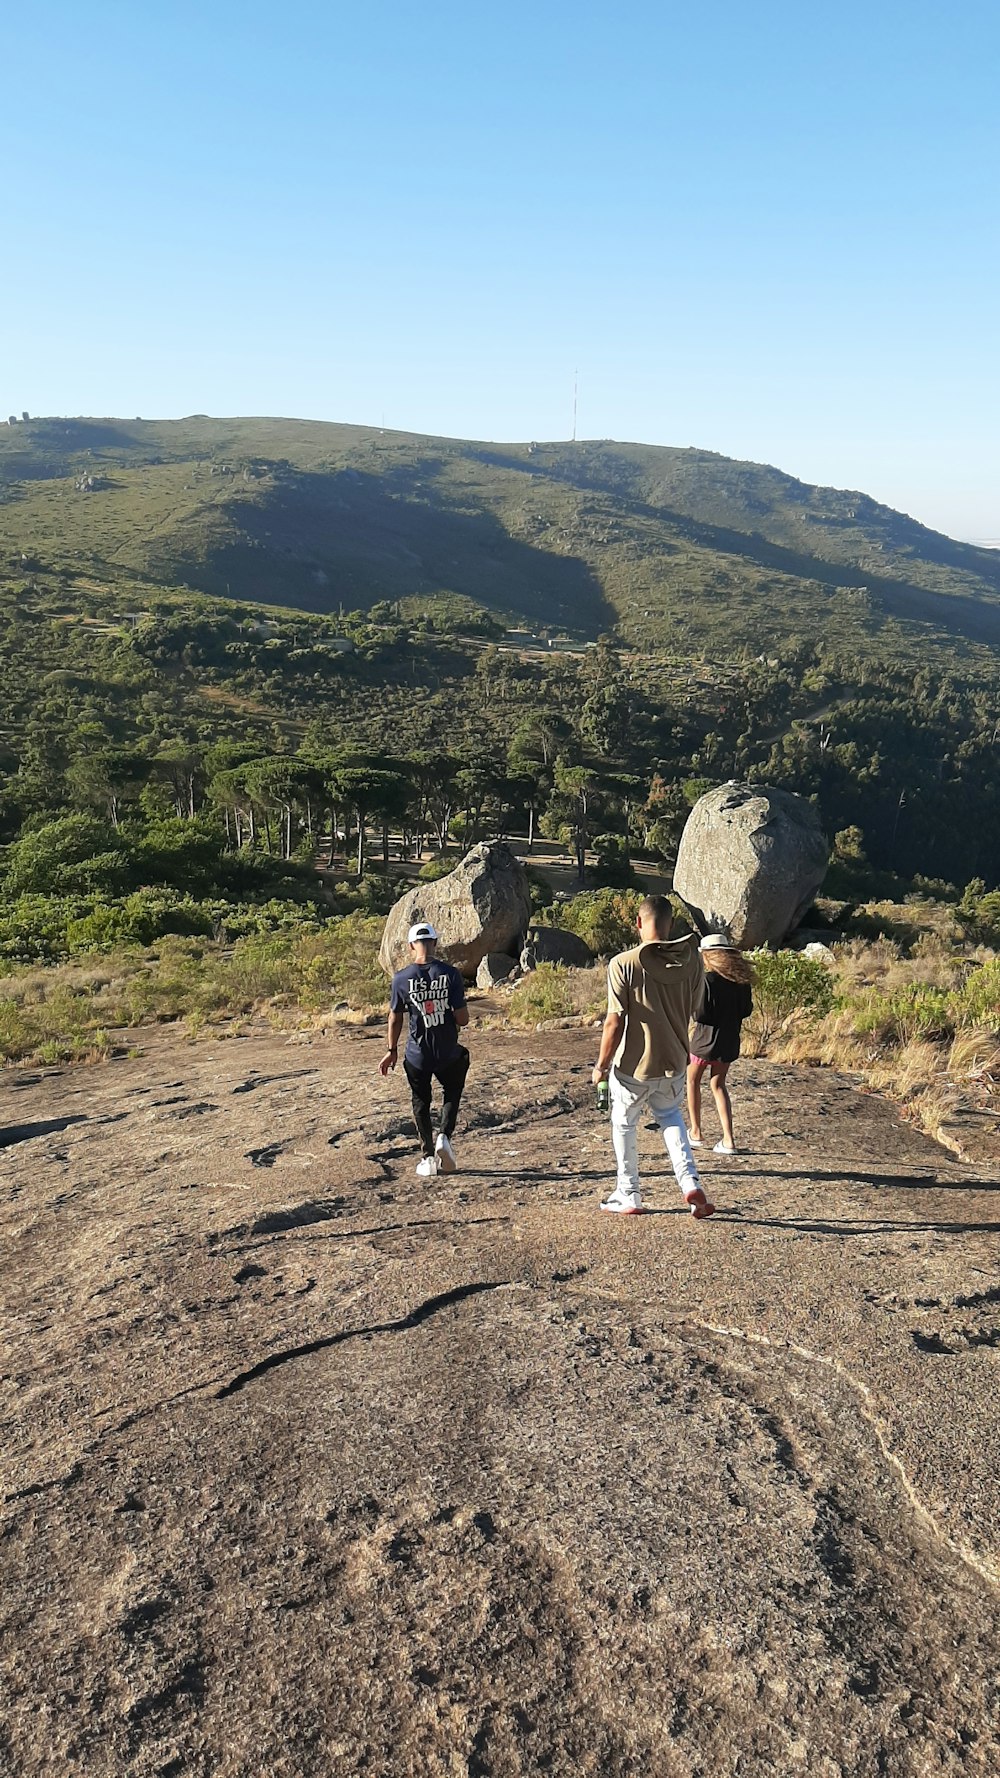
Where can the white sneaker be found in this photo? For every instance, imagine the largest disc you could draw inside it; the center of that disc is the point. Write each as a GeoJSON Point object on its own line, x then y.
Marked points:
{"type": "Point", "coordinates": [428, 1168]}
{"type": "Point", "coordinates": [444, 1154]}
{"type": "Point", "coordinates": [723, 1148]}
{"type": "Point", "coordinates": [623, 1204]}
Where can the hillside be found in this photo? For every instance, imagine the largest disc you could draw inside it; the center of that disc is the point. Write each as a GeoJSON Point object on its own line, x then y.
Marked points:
{"type": "Point", "coordinates": [310, 1471]}
{"type": "Point", "coordinates": [173, 591]}
{"type": "Point", "coordinates": [674, 546]}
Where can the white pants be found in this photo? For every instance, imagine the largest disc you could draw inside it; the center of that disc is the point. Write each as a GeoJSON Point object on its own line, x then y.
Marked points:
{"type": "Point", "coordinates": [663, 1098]}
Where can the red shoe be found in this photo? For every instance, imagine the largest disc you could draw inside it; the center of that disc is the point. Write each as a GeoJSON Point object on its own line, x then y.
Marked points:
{"type": "Point", "coordinates": [700, 1205]}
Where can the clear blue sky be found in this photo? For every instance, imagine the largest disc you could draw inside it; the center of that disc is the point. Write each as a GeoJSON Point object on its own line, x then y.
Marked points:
{"type": "Point", "coordinates": [768, 229]}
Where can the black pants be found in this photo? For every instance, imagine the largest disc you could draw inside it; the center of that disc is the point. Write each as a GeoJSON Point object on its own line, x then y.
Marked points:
{"type": "Point", "coordinates": [452, 1075]}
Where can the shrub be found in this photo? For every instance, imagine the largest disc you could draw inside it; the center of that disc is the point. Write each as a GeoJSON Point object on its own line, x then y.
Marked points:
{"type": "Point", "coordinates": [435, 868]}
{"type": "Point", "coordinates": [977, 1001]}
{"type": "Point", "coordinates": [786, 982]}
{"type": "Point", "coordinates": [341, 963]}
{"type": "Point", "coordinates": [371, 895]}
{"type": "Point", "coordinates": [613, 868]}
{"type": "Point", "coordinates": [913, 1010]}
{"type": "Point", "coordinates": [539, 889]}
{"type": "Point", "coordinates": [543, 994]}
{"type": "Point", "coordinates": [33, 928]}
{"type": "Point", "coordinates": [603, 918]}
{"type": "Point", "coordinates": [72, 856]}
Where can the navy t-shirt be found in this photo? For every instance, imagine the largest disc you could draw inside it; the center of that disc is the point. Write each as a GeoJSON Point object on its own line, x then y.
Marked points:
{"type": "Point", "coordinates": [431, 993]}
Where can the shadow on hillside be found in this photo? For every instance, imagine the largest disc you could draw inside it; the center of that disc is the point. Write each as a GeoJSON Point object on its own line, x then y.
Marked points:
{"type": "Point", "coordinates": [352, 537]}
{"type": "Point", "coordinates": [960, 614]}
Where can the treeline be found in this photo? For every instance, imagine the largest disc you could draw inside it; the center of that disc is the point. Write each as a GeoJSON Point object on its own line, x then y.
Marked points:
{"type": "Point", "coordinates": [208, 760]}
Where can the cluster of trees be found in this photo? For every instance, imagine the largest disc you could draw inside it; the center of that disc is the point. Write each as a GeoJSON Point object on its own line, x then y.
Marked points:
{"type": "Point", "coordinates": [237, 759]}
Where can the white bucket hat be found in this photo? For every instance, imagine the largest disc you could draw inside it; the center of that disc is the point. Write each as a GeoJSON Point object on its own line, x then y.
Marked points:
{"type": "Point", "coordinates": [716, 941]}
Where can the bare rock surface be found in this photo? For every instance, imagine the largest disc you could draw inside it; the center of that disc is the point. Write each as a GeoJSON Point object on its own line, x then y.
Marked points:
{"type": "Point", "coordinates": [483, 905]}
{"type": "Point", "coordinates": [750, 860]}
{"type": "Point", "coordinates": [309, 1468]}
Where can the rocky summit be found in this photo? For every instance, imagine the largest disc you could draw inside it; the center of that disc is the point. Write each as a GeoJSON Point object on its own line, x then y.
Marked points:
{"type": "Point", "coordinates": [312, 1469]}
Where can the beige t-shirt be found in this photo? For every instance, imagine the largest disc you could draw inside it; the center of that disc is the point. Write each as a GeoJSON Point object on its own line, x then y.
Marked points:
{"type": "Point", "coordinates": [655, 987]}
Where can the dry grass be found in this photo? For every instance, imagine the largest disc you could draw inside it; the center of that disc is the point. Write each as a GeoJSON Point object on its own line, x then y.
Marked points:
{"type": "Point", "coordinates": [68, 1012]}
{"type": "Point", "coordinates": [924, 1029]}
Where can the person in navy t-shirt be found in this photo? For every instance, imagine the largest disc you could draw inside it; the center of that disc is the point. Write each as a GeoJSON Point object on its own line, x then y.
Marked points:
{"type": "Point", "coordinates": [432, 992]}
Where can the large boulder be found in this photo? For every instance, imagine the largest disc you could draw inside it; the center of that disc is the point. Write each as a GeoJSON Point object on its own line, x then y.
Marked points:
{"type": "Point", "coordinates": [550, 944]}
{"type": "Point", "coordinates": [751, 860]}
{"type": "Point", "coordinates": [482, 905]}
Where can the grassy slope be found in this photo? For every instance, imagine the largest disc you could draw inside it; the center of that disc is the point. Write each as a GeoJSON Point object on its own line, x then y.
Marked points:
{"type": "Point", "coordinates": [675, 545]}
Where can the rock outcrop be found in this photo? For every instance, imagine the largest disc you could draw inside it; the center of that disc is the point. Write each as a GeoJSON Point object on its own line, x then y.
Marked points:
{"type": "Point", "coordinates": [482, 905]}
{"type": "Point", "coordinates": [750, 860]}
{"type": "Point", "coordinates": [496, 966]}
{"type": "Point", "coordinates": [550, 944]}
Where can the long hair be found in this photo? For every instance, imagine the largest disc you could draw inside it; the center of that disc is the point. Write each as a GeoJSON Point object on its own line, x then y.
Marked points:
{"type": "Point", "coordinates": [731, 964]}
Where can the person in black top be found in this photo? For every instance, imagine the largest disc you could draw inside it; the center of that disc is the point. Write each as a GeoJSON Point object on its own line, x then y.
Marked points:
{"type": "Point", "coordinates": [433, 993]}
{"type": "Point", "coordinates": [724, 1002]}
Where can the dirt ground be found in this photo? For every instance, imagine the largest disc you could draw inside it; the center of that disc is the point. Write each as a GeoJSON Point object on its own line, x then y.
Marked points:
{"type": "Point", "coordinates": [310, 1468]}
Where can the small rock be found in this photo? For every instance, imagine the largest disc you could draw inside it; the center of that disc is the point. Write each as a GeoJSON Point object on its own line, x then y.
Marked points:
{"type": "Point", "coordinates": [496, 966]}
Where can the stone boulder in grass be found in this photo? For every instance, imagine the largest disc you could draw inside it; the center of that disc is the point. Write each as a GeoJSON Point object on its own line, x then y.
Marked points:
{"type": "Point", "coordinates": [750, 860]}
{"type": "Point", "coordinates": [551, 944]}
{"type": "Point", "coordinates": [483, 905]}
{"type": "Point", "coordinates": [496, 967]}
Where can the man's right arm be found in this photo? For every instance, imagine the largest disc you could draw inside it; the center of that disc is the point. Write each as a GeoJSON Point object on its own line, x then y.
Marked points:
{"type": "Point", "coordinates": [393, 1030]}
{"type": "Point", "coordinates": [614, 1023]}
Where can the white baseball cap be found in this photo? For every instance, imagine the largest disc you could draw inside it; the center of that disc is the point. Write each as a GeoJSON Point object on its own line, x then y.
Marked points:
{"type": "Point", "coordinates": [422, 929]}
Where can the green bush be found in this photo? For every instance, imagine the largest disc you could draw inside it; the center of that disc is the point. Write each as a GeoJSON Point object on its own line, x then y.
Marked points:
{"type": "Point", "coordinates": [977, 1001]}
{"type": "Point", "coordinates": [979, 912]}
{"type": "Point", "coordinates": [785, 982]}
{"type": "Point", "coordinates": [542, 994]}
{"type": "Point", "coordinates": [613, 869]}
{"type": "Point", "coordinates": [603, 918]}
{"type": "Point", "coordinates": [33, 928]}
{"type": "Point", "coordinates": [371, 895]}
{"type": "Point", "coordinates": [539, 889]}
{"type": "Point", "coordinates": [916, 1009]}
{"type": "Point", "coordinates": [435, 868]}
{"type": "Point", "coordinates": [76, 855]}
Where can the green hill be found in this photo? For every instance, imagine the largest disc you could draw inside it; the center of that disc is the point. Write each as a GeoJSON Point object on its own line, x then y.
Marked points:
{"type": "Point", "coordinates": [669, 546]}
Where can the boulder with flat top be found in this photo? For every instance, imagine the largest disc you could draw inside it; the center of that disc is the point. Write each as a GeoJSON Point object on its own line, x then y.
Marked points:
{"type": "Point", "coordinates": [750, 861]}
{"type": "Point", "coordinates": [483, 905]}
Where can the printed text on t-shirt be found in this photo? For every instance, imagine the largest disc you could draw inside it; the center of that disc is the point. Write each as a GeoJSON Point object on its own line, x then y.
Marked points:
{"type": "Point", "coordinates": [432, 999]}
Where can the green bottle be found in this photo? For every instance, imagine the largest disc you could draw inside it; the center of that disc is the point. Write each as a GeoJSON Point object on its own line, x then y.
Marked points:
{"type": "Point", "coordinates": [603, 1095]}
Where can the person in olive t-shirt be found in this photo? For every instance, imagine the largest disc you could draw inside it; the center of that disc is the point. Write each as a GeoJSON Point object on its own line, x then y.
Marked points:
{"type": "Point", "coordinates": [644, 1051]}
{"type": "Point", "coordinates": [432, 992]}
